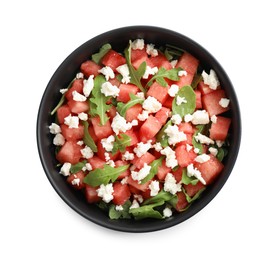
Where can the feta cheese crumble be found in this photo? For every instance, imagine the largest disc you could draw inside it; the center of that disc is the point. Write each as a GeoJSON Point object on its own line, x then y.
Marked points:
{"type": "Point", "coordinates": [137, 44]}
{"type": "Point", "coordinates": [58, 140]}
{"type": "Point", "coordinates": [224, 102]}
{"type": "Point", "coordinates": [170, 160]}
{"type": "Point", "coordinates": [142, 173]}
{"type": "Point", "coordinates": [107, 143]}
{"type": "Point", "coordinates": [78, 97]}
{"type": "Point", "coordinates": [142, 148]}
{"type": "Point", "coordinates": [180, 100]}
{"type": "Point", "coordinates": [149, 71]}
{"type": "Point", "coordinates": [107, 72]}
{"type": "Point", "coordinates": [213, 151]}
{"type": "Point", "coordinates": [54, 129]}
{"type": "Point", "coordinates": [176, 119]}
{"type": "Point", "coordinates": [127, 156]}
{"type": "Point", "coordinates": [88, 166]}
{"type": "Point", "coordinates": [202, 158]}
{"type": "Point", "coordinates": [71, 121]}
{"type": "Point", "coordinates": [203, 139]}
{"type": "Point", "coordinates": [173, 90]}
{"type": "Point", "coordinates": [188, 118]}
{"type": "Point", "coordinates": [118, 208]}
{"type": "Point", "coordinates": [63, 90]}
{"type": "Point", "coordinates": [157, 146]}
{"type": "Point", "coordinates": [152, 105]}
{"type": "Point", "coordinates": [214, 119]}
{"type": "Point", "coordinates": [75, 181]}
{"type": "Point", "coordinates": [143, 116]}
{"type": "Point", "coordinates": [83, 116]}
{"type": "Point", "coordinates": [140, 95]}
{"type": "Point", "coordinates": [88, 85]}
{"type": "Point", "coordinates": [86, 152]}
{"type": "Point", "coordinates": [182, 73]}
{"type": "Point", "coordinates": [154, 187]}
{"type": "Point", "coordinates": [167, 212]}
{"type": "Point", "coordinates": [109, 90]}
{"type": "Point", "coordinates": [65, 169]}
{"type": "Point", "coordinates": [175, 136]}
{"type": "Point", "coordinates": [174, 63]}
{"type": "Point", "coordinates": [105, 192]}
{"type": "Point", "coordinates": [124, 71]}
{"type": "Point", "coordinates": [191, 171]}
{"type": "Point", "coordinates": [134, 205]}
{"type": "Point", "coordinates": [120, 124]}
{"type": "Point", "coordinates": [151, 50]}
{"type": "Point", "coordinates": [211, 79]}
{"type": "Point", "coordinates": [171, 184]}
{"type": "Point", "coordinates": [79, 75]}
{"type": "Point", "coordinates": [200, 117]}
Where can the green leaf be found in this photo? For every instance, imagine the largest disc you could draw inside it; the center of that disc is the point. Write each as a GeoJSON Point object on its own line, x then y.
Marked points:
{"type": "Point", "coordinates": [135, 75]}
{"type": "Point", "coordinates": [163, 73]}
{"type": "Point", "coordinates": [185, 108]}
{"type": "Point", "coordinates": [77, 167]}
{"type": "Point", "coordinates": [147, 211]}
{"type": "Point", "coordinates": [121, 142]}
{"type": "Point", "coordinates": [222, 152]}
{"type": "Point", "coordinates": [116, 214]}
{"type": "Point", "coordinates": [97, 102]}
{"type": "Point", "coordinates": [62, 99]}
{"type": "Point", "coordinates": [154, 169]}
{"type": "Point", "coordinates": [188, 180]}
{"type": "Point", "coordinates": [200, 129]}
{"type": "Point", "coordinates": [123, 107]}
{"type": "Point", "coordinates": [196, 80]}
{"type": "Point", "coordinates": [97, 57]}
{"type": "Point", "coordinates": [88, 139]}
{"type": "Point", "coordinates": [162, 137]}
{"type": "Point", "coordinates": [195, 197]}
{"type": "Point", "coordinates": [104, 176]}
{"type": "Point", "coordinates": [162, 196]}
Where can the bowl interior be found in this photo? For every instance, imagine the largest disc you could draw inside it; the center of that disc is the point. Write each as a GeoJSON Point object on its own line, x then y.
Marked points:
{"type": "Point", "coordinates": [62, 77]}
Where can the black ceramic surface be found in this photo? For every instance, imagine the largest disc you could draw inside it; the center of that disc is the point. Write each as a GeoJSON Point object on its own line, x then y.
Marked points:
{"type": "Point", "coordinates": [119, 38]}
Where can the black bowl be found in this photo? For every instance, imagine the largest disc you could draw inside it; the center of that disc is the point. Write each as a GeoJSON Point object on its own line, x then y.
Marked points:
{"type": "Point", "coordinates": [119, 38]}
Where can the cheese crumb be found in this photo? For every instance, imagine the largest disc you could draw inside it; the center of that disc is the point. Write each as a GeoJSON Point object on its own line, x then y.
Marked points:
{"type": "Point", "coordinates": [200, 117]}
{"type": "Point", "coordinates": [157, 146]}
{"type": "Point", "coordinates": [203, 139]}
{"type": "Point", "coordinates": [107, 143]}
{"type": "Point", "coordinates": [170, 160]}
{"type": "Point", "coordinates": [88, 86]}
{"type": "Point", "coordinates": [202, 158]}
{"type": "Point", "coordinates": [127, 156]}
{"type": "Point", "coordinates": [152, 105]}
{"type": "Point", "coordinates": [173, 63]}
{"type": "Point", "coordinates": [149, 71]}
{"type": "Point", "coordinates": [134, 205]}
{"type": "Point", "coordinates": [214, 119]}
{"type": "Point", "coordinates": [58, 140]}
{"type": "Point", "coordinates": [143, 116]}
{"type": "Point", "coordinates": [191, 171]}
{"type": "Point", "coordinates": [63, 90]}
{"type": "Point", "coordinates": [109, 90]}
{"type": "Point", "coordinates": [87, 152]}
{"type": "Point", "coordinates": [142, 173]}
{"type": "Point", "coordinates": [107, 72]}
{"type": "Point", "coordinates": [167, 212]}
{"type": "Point", "coordinates": [182, 73]}
{"type": "Point", "coordinates": [140, 95]}
{"type": "Point", "coordinates": [173, 90]}
{"type": "Point", "coordinates": [120, 124]}
{"type": "Point", "coordinates": [154, 187]}
{"type": "Point", "coordinates": [105, 192]}
{"type": "Point", "coordinates": [83, 116]}
{"type": "Point", "coordinates": [142, 148]}
{"type": "Point", "coordinates": [124, 71]}
{"type": "Point", "coordinates": [180, 100]}
{"type": "Point", "coordinates": [79, 75]}
{"type": "Point", "coordinates": [151, 50]}
{"type": "Point", "coordinates": [224, 102]}
{"type": "Point", "coordinates": [78, 97]}
{"type": "Point", "coordinates": [54, 129]}
{"type": "Point", "coordinates": [171, 184]}
{"type": "Point", "coordinates": [137, 44]}
{"type": "Point", "coordinates": [175, 136]}
{"type": "Point", "coordinates": [71, 121]}
{"type": "Point", "coordinates": [213, 151]}
{"type": "Point", "coordinates": [176, 119]}
{"type": "Point", "coordinates": [211, 79]}
{"type": "Point", "coordinates": [188, 118]}
{"type": "Point", "coordinates": [65, 170]}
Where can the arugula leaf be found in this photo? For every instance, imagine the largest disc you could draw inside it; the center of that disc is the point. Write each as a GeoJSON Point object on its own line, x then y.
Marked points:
{"type": "Point", "coordinates": [200, 129]}
{"type": "Point", "coordinates": [136, 75]}
{"type": "Point", "coordinates": [97, 57]}
{"type": "Point", "coordinates": [97, 102]}
{"type": "Point", "coordinates": [121, 142]}
{"type": "Point", "coordinates": [117, 214]}
{"type": "Point", "coordinates": [196, 79]}
{"type": "Point", "coordinates": [162, 73]}
{"type": "Point", "coordinates": [123, 107]}
{"type": "Point", "coordinates": [62, 99]}
{"type": "Point", "coordinates": [195, 197]}
{"type": "Point", "coordinates": [185, 108]}
{"type": "Point", "coordinates": [105, 175]}
{"type": "Point", "coordinates": [147, 211]}
{"type": "Point", "coordinates": [77, 167]}
{"type": "Point", "coordinates": [161, 196]}
{"type": "Point", "coordinates": [154, 169]}
{"type": "Point", "coordinates": [88, 139]}
{"type": "Point", "coordinates": [188, 180]}
{"type": "Point", "coordinates": [222, 152]}
{"type": "Point", "coordinates": [162, 137]}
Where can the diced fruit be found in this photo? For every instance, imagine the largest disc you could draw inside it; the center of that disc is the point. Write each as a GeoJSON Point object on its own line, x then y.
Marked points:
{"type": "Point", "coordinates": [125, 90]}
{"type": "Point", "coordinates": [168, 102]}
{"type": "Point", "coordinates": [162, 115]}
{"type": "Point", "coordinates": [96, 162]}
{"type": "Point", "coordinates": [211, 102]}
{"type": "Point", "coordinates": [77, 85]}
{"type": "Point", "coordinates": [184, 157]}
{"type": "Point", "coordinates": [69, 152]}
{"type": "Point", "coordinates": [91, 194]}
{"type": "Point", "coordinates": [210, 169]}
{"type": "Point", "coordinates": [78, 106]}
{"type": "Point", "coordinates": [101, 131]}
{"type": "Point", "coordinates": [178, 174]}
{"type": "Point", "coordinates": [191, 190]}
{"type": "Point", "coordinates": [204, 88]}
{"type": "Point", "coordinates": [72, 134]}
{"type": "Point", "coordinates": [119, 163]}
{"type": "Point", "coordinates": [161, 61]}
{"type": "Point", "coordinates": [133, 112]}
{"type": "Point", "coordinates": [138, 54]}
{"type": "Point", "coordinates": [135, 184]}
{"type": "Point", "coordinates": [198, 99]}
{"type": "Point", "coordinates": [76, 180]}
{"type": "Point", "coordinates": [111, 112]}
{"type": "Point", "coordinates": [121, 193]}
{"type": "Point", "coordinates": [133, 135]}
{"type": "Point", "coordinates": [163, 170]}
{"type": "Point", "coordinates": [101, 152]}
{"type": "Point", "coordinates": [188, 63]}
{"type": "Point", "coordinates": [186, 127]}
{"type": "Point", "coordinates": [62, 113]}
{"type": "Point", "coordinates": [113, 59]}
{"type": "Point", "coordinates": [150, 128]}
{"type": "Point", "coordinates": [219, 130]}
{"type": "Point", "coordinates": [115, 81]}
{"type": "Point", "coordinates": [140, 161]}
{"type": "Point", "coordinates": [185, 80]}
{"type": "Point", "coordinates": [89, 67]}
{"type": "Point", "coordinates": [182, 202]}
{"type": "Point", "coordinates": [159, 92]}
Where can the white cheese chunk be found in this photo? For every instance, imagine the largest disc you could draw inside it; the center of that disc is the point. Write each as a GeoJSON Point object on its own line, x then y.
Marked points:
{"type": "Point", "coordinates": [83, 116]}
{"type": "Point", "coordinates": [170, 160]}
{"type": "Point", "coordinates": [176, 119]}
{"type": "Point", "coordinates": [63, 90]}
{"type": "Point", "coordinates": [88, 85]}
{"type": "Point", "coordinates": [71, 121]}
{"type": "Point", "coordinates": [214, 119]}
{"type": "Point", "coordinates": [211, 79]}
{"type": "Point", "coordinates": [157, 146]}
{"type": "Point", "coordinates": [188, 118]}
{"type": "Point", "coordinates": [171, 184]}
{"type": "Point", "coordinates": [134, 205]}
{"type": "Point", "coordinates": [65, 169]}
{"type": "Point", "coordinates": [154, 187]}
{"type": "Point", "coordinates": [213, 151]}
{"type": "Point", "coordinates": [124, 71]}
{"type": "Point", "coordinates": [109, 90]}
{"type": "Point", "coordinates": [137, 44]}
{"type": "Point", "coordinates": [180, 100]}
{"type": "Point", "coordinates": [118, 208]}
{"type": "Point", "coordinates": [203, 139]}
{"type": "Point", "coordinates": [200, 117]}
{"type": "Point", "coordinates": [105, 192]}
{"type": "Point", "coordinates": [167, 212]}
{"type": "Point", "coordinates": [120, 124]}
{"type": "Point", "coordinates": [54, 129]}
{"type": "Point", "coordinates": [142, 148]}
{"type": "Point", "coordinates": [224, 102]}
{"type": "Point", "coordinates": [173, 90]}
{"type": "Point", "coordinates": [175, 136]}
{"type": "Point", "coordinates": [202, 158]}
{"type": "Point", "coordinates": [191, 171]}
{"type": "Point", "coordinates": [78, 97]}
{"type": "Point", "coordinates": [79, 75]}
{"type": "Point", "coordinates": [76, 181]}
{"type": "Point", "coordinates": [143, 115]}
{"type": "Point", "coordinates": [141, 174]}
{"type": "Point", "coordinates": [107, 143]}
{"type": "Point", "coordinates": [58, 140]}
{"type": "Point", "coordinates": [182, 73]}
{"type": "Point", "coordinates": [86, 152]}
{"type": "Point", "coordinates": [149, 71]}
{"type": "Point", "coordinates": [151, 50]}
{"type": "Point", "coordinates": [107, 72]}
{"type": "Point", "coordinates": [127, 156]}
{"type": "Point", "coordinates": [152, 105]}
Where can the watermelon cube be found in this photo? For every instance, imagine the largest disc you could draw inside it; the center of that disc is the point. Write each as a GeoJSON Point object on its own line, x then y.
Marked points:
{"type": "Point", "coordinates": [219, 130]}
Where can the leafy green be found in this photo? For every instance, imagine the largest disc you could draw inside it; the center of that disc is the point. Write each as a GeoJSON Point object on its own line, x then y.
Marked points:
{"type": "Point", "coordinates": [123, 107]}
{"type": "Point", "coordinates": [135, 75]}
{"type": "Point", "coordinates": [97, 103]}
{"type": "Point", "coordinates": [147, 211]}
{"type": "Point", "coordinates": [117, 214]}
{"type": "Point", "coordinates": [200, 129]}
{"type": "Point", "coordinates": [172, 52]}
{"type": "Point", "coordinates": [222, 152]}
{"type": "Point", "coordinates": [195, 197]}
{"type": "Point", "coordinates": [188, 180]}
{"type": "Point", "coordinates": [121, 142]}
{"type": "Point", "coordinates": [77, 167]}
{"type": "Point", "coordinates": [62, 99]}
{"type": "Point", "coordinates": [104, 176]}
{"type": "Point", "coordinates": [154, 169]}
{"type": "Point", "coordinates": [196, 79]}
{"type": "Point", "coordinates": [97, 57]}
{"type": "Point", "coordinates": [185, 108]}
{"type": "Point", "coordinates": [161, 196]}
{"type": "Point", "coordinates": [162, 137]}
{"type": "Point", "coordinates": [163, 73]}
{"type": "Point", "coordinates": [88, 139]}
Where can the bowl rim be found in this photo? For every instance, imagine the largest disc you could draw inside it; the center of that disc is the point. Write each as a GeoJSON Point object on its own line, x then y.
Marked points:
{"type": "Point", "coordinates": [155, 225]}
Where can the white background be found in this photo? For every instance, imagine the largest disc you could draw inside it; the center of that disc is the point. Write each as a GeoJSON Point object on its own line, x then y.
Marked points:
{"type": "Point", "coordinates": [36, 36]}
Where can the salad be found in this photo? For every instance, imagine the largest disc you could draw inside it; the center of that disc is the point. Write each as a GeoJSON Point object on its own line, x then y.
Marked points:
{"type": "Point", "coordinates": [141, 133]}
